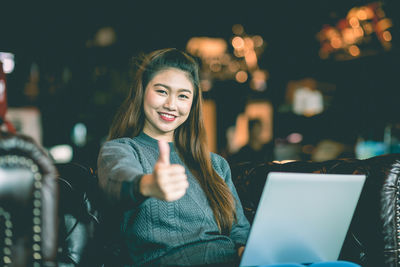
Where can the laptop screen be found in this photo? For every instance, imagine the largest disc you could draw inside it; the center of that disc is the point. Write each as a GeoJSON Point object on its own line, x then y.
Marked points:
{"type": "Point", "coordinates": [302, 218]}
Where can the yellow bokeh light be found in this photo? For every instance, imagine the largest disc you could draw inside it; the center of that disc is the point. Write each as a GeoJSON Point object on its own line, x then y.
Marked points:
{"type": "Point", "coordinates": [258, 40]}
{"type": "Point", "coordinates": [361, 14]}
{"type": "Point", "coordinates": [358, 32]}
{"type": "Point", "coordinates": [234, 66]}
{"type": "Point", "coordinates": [354, 51]}
{"type": "Point", "coordinates": [215, 67]}
{"type": "Point", "coordinates": [387, 36]}
{"type": "Point", "coordinates": [383, 24]}
{"type": "Point", "coordinates": [238, 42]}
{"type": "Point", "coordinates": [238, 53]}
{"type": "Point", "coordinates": [353, 21]}
{"type": "Point", "coordinates": [241, 76]}
{"type": "Point", "coordinates": [249, 43]}
{"type": "Point", "coordinates": [251, 59]}
{"type": "Point", "coordinates": [206, 47]}
{"type": "Point", "coordinates": [237, 29]}
{"type": "Point", "coordinates": [348, 36]}
{"type": "Point", "coordinates": [368, 28]}
{"type": "Point", "coordinates": [336, 43]}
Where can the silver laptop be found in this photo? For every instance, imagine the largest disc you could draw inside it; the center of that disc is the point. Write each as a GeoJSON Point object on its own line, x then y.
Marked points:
{"type": "Point", "coordinates": [302, 218]}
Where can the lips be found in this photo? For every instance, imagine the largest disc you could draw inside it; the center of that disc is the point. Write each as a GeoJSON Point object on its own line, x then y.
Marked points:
{"type": "Point", "coordinates": [167, 116]}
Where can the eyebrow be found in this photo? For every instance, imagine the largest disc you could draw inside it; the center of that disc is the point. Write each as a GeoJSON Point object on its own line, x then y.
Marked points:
{"type": "Point", "coordinates": [169, 88]}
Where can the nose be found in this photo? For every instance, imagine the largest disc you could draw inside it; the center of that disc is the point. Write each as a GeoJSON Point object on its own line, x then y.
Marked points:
{"type": "Point", "coordinates": [170, 103]}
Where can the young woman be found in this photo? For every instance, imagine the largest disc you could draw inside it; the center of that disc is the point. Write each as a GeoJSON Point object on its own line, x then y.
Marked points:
{"type": "Point", "coordinates": [180, 205]}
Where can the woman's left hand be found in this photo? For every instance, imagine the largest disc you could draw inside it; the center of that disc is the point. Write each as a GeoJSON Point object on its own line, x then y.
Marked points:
{"type": "Point", "coordinates": [240, 251]}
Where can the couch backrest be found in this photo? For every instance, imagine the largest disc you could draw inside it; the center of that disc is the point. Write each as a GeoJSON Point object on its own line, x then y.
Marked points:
{"type": "Point", "coordinates": [78, 216]}
{"type": "Point", "coordinates": [28, 204]}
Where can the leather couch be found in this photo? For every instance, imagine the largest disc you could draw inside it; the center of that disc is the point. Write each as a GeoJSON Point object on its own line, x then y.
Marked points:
{"type": "Point", "coordinates": [373, 239]}
{"type": "Point", "coordinates": [73, 235]}
{"type": "Point", "coordinates": [78, 245]}
{"type": "Point", "coordinates": [28, 204]}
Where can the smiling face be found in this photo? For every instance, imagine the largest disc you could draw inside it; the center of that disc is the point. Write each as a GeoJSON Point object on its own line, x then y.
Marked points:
{"type": "Point", "coordinates": [167, 102]}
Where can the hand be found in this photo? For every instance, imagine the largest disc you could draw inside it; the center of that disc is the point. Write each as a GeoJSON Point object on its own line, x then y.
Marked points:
{"type": "Point", "coordinates": [167, 182]}
{"type": "Point", "coordinates": [240, 251]}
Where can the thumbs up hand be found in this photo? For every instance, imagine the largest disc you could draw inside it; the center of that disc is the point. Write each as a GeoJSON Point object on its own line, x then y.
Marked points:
{"type": "Point", "coordinates": [167, 182]}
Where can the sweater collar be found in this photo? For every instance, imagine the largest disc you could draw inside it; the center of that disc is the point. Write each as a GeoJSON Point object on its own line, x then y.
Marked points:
{"type": "Point", "coordinates": [150, 141]}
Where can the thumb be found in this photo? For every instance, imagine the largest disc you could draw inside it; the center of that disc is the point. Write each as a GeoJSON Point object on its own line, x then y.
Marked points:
{"type": "Point", "coordinates": [164, 152]}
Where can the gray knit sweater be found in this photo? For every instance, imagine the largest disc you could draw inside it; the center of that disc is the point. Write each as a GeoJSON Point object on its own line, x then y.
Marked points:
{"type": "Point", "coordinates": [182, 232]}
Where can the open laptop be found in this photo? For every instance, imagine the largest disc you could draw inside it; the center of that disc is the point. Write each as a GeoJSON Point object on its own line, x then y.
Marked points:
{"type": "Point", "coordinates": [302, 218]}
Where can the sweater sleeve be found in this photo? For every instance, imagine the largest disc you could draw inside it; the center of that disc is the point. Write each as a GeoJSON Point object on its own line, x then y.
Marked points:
{"type": "Point", "coordinates": [240, 228]}
{"type": "Point", "coordinates": [119, 172]}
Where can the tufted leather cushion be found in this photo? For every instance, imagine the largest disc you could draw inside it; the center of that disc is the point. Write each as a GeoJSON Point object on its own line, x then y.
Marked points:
{"type": "Point", "coordinates": [78, 216]}
{"type": "Point", "coordinates": [28, 203]}
{"type": "Point", "coordinates": [373, 239]}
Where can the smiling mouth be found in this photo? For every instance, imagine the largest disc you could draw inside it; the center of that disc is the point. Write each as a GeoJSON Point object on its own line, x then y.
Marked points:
{"type": "Point", "coordinates": [167, 117]}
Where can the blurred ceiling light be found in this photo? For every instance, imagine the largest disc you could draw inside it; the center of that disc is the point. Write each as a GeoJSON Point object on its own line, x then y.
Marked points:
{"type": "Point", "coordinates": [234, 66]}
{"type": "Point", "coordinates": [206, 47]}
{"type": "Point", "coordinates": [105, 37]}
{"type": "Point", "coordinates": [387, 36]}
{"type": "Point", "coordinates": [238, 53]}
{"type": "Point", "coordinates": [354, 50]}
{"type": "Point", "coordinates": [361, 14]}
{"type": "Point", "coordinates": [368, 28]}
{"type": "Point", "coordinates": [226, 58]}
{"type": "Point", "coordinates": [241, 76]}
{"type": "Point", "coordinates": [354, 22]}
{"type": "Point", "coordinates": [79, 134]}
{"type": "Point", "coordinates": [258, 41]}
{"type": "Point", "coordinates": [259, 80]}
{"type": "Point", "coordinates": [348, 36]}
{"type": "Point", "coordinates": [8, 62]}
{"type": "Point", "coordinates": [358, 32]}
{"type": "Point", "coordinates": [251, 59]}
{"type": "Point", "coordinates": [383, 24]}
{"type": "Point", "coordinates": [336, 42]}
{"type": "Point", "coordinates": [237, 29]}
{"type": "Point", "coordinates": [238, 42]}
{"type": "Point", "coordinates": [294, 138]}
{"type": "Point", "coordinates": [205, 84]}
{"type": "Point", "coordinates": [215, 67]}
{"type": "Point", "coordinates": [219, 63]}
{"type": "Point", "coordinates": [356, 29]}
{"type": "Point", "coordinates": [61, 153]}
{"type": "Point", "coordinates": [249, 43]}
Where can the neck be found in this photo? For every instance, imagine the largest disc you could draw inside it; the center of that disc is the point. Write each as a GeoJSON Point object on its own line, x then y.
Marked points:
{"type": "Point", "coordinates": [165, 137]}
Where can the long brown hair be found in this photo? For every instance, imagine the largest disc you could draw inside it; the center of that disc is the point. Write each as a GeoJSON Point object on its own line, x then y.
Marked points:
{"type": "Point", "coordinates": [190, 138]}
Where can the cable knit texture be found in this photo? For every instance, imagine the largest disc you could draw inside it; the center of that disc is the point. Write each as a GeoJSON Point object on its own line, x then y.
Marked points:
{"type": "Point", "coordinates": [182, 232]}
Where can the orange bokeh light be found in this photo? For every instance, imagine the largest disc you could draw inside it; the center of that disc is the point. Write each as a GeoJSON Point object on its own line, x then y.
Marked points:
{"type": "Point", "coordinates": [241, 76]}
{"type": "Point", "coordinates": [354, 50]}
{"type": "Point", "coordinates": [353, 21]}
{"type": "Point", "coordinates": [387, 36]}
{"type": "Point", "coordinates": [238, 42]}
{"type": "Point", "coordinates": [336, 43]}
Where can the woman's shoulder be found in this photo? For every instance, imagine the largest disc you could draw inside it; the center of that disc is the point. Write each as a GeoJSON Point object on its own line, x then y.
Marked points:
{"type": "Point", "coordinates": [124, 143]}
{"type": "Point", "coordinates": [119, 141]}
{"type": "Point", "coordinates": [219, 163]}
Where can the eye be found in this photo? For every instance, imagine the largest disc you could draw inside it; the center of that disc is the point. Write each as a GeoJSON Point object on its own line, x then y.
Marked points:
{"type": "Point", "coordinates": [183, 96]}
{"type": "Point", "coordinates": [161, 92]}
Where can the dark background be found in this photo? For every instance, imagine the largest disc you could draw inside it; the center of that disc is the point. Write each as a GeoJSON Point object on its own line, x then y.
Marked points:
{"type": "Point", "coordinates": [55, 35]}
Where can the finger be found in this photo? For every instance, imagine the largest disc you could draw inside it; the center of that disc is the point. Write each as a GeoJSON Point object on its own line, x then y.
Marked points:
{"type": "Point", "coordinates": [176, 168]}
{"type": "Point", "coordinates": [164, 152]}
{"type": "Point", "coordinates": [170, 170]}
{"type": "Point", "coordinates": [178, 186]}
{"type": "Point", "coordinates": [175, 196]}
{"type": "Point", "coordinates": [171, 179]}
